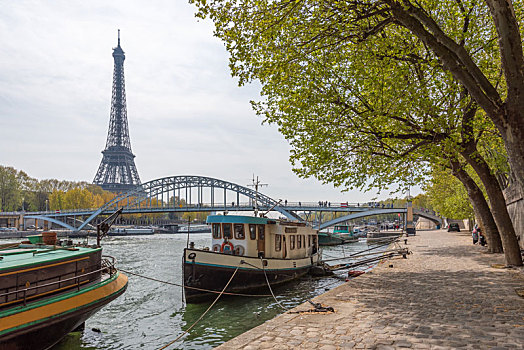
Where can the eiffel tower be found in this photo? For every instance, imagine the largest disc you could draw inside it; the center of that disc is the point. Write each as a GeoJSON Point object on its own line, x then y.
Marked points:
{"type": "Point", "coordinates": [117, 171]}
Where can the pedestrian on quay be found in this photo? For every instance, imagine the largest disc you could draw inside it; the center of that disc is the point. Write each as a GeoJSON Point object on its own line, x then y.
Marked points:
{"type": "Point", "coordinates": [482, 239]}
{"type": "Point", "coordinates": [475, 235]}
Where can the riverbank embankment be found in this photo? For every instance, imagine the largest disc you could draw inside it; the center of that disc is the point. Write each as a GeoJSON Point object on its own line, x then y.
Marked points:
{"type": "Point", "coordinates": [447, 294]}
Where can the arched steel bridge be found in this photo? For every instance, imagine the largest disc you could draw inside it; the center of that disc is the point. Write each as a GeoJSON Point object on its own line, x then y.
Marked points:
{"type": "Point", "coordinates": [188, 193]}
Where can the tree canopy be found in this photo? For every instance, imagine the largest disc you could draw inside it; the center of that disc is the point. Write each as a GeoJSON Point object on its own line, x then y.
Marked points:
{"type": "Point", "coordinates": [448, 196]}
{"type": "Point", "coordinates": [345, 63]}
{"type": "Point", "coordinates": [369, 93]}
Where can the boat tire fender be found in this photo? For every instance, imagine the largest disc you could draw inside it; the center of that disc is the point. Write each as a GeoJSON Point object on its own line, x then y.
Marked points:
{"type": "Point", "coordinates": [239, 250]}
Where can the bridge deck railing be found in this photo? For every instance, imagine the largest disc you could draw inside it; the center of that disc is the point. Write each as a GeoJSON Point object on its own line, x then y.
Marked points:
{"type": "Point", "coordinates": [297, 206]}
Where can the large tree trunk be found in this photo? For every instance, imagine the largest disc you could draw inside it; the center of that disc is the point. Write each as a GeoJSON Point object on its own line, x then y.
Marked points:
{"type": "Point", "coordinates": [513, 136]}
{"type": "Point", "coordinates": [498, 207]}
{"type": "Point", "coordinates": [480, 207]}
{"type": "Point", "coordinates": [511, 122]}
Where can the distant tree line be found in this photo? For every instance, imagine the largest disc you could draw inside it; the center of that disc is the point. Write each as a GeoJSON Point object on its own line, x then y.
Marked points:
{"type": "Point", "coordinates": [19, 191]}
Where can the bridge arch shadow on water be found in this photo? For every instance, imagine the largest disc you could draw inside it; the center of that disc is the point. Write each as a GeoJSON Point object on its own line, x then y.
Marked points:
{"type": "Point", "coordinates": [190, 193]}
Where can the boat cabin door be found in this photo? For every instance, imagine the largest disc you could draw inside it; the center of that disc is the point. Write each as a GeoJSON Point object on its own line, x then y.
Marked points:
{"type": "Point", "coordinates": [261, 241]}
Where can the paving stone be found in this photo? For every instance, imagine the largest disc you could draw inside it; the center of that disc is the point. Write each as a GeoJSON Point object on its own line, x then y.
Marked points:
{"type": "Point", "coordinates": [403, 344]}
{"type": "Point", "coordinates": [384, 347]}
{"type": "Point", "coordinates": [328, 347]}
{"type": "Point", "coordinates": [266, 338]}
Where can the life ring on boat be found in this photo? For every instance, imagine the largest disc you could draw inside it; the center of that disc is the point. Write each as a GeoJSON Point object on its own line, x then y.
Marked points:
{"type": "Point", "coordinates": [227, 247]}
{"type": "Point", "coordinates": [216, 247]}
{"type": "Point", "coordinates": [239, 250]}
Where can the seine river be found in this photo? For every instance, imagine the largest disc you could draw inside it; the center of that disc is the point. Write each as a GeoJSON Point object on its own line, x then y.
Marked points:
{"type": "Point", "coordinates": [151, 314]}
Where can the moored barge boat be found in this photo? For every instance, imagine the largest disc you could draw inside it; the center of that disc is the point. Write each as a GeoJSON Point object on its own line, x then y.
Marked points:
{"type": "Point", "coordinates": [49, 290]}
{"type": "Point", "coordinates": [341, 234]}
{"type": "Point", "coordinates": [256, 249]}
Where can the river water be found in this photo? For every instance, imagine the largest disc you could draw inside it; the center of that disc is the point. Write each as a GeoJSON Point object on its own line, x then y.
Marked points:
{"type": "Point", "coordinates": [151, 314]}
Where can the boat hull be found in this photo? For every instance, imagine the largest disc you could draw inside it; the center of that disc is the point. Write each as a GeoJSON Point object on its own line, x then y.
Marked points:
{"type": "Point", "coordinates": [43, 323]}
{"type": "Point", "coordinates": [328, 239]}
{"type": "Point", "coordinates": [206, 273]}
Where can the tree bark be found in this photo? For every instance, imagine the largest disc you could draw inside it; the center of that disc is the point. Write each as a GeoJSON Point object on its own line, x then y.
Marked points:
{"type": "Point", "coordinates": [498, 207]}
{"type": "Point", "coordinates": [511, 125]}
{"type": "Point", "coordinates": [513, 136]}
{"type": "Point", "coordinates": [480, 207]}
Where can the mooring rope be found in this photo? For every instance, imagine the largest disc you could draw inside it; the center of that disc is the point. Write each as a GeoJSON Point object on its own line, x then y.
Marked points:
{"type": "Point", "coordinates": [194, 288]}
{"type": "Point", "coordinates": [205, 312]}
{"type": "Point", "coordinates": [269, 286]}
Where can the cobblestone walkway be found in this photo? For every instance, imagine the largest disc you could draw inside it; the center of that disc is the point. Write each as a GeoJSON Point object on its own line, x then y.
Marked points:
{"type": "Point", "coordinates": [445, 295]}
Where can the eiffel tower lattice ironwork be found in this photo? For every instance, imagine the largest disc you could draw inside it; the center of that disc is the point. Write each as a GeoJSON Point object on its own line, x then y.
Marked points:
{"type": "Point", "coordinates": [117, 171]}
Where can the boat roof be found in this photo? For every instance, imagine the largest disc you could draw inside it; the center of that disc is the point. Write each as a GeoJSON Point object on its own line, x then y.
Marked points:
{"type": "Point", "coordinates": [25, 255]}
{"type": "Point", "coordinates": [238, 219]}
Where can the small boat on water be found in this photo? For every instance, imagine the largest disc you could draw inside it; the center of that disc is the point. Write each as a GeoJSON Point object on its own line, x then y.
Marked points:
{"type": "Point", "coordinates": [49, 288]}
{"type": "Point", "coordinates": [129, 231]}
{"type": "Point", "coordinates": [359, 231]}
{"type": "Point", "coordinates": [194, 229]}
{"type": "Point", "coordinates": [341, 234]}
{"type": "Point", "coordinates": [258, 250]}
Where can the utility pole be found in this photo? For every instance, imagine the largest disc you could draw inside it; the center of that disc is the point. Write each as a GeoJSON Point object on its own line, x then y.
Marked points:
{"type": "Point", "coordinates": [256, 184]}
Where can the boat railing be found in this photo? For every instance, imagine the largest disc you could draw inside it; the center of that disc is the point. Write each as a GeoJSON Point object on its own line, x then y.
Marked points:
{"type": "Point", "coordinates": [107, 266]}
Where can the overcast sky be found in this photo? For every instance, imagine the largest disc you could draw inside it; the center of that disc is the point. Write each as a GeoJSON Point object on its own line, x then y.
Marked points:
{"type": "Point", "coordinates": [187, 116]}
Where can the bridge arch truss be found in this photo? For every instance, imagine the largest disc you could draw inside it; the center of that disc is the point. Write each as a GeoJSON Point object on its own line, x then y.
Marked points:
{"type": "Point", "coordinates": [189, 193]}
{"type": "Point", "coordinates": [379, 211]}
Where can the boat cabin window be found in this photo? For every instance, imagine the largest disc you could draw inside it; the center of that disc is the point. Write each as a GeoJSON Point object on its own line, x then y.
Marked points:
{"type": "Point", "coordinates": [216, 231]}
{"type": "Point", "coordinates": [227, 231]}
{"type": "Point", "coordinates": [252, 231]}
{"type": "Point", "coordinates": [239, 231]}
{"type": "Point", "coordinates": [299, 241]}
{"type": "Point", "coordinates": [309, 240]}
{"type": "Point", "coordinates": [261, 233]}
{"type": "Point", "coordinates": [292, 242]}
{"type": "Point", "coordinates": [278, 242]}
{"type": "Point", "coordinates": [291, 230]}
